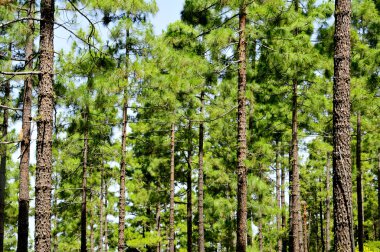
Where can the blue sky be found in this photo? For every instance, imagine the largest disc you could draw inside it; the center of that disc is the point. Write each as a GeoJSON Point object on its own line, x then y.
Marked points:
{"type": "Point", "coordinates": [169, 11]}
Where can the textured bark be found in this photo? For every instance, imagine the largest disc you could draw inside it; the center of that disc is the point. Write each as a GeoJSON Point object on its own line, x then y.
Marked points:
{"type": "Point", "coordinates": [23, 207]}
{"type": "Point", "coordinates": [92, 238]}
{"type": "Point", "coordinates": [45, 130]}
{"type": "Point", "coordinates": [105, 218]}
{"type": "Point", "coordinates": [378, 193]}
{"type": "Point", "coordinates": [189, 204]}
{"type": "Point", "coordinates": [359, 187]}
{"type": "Point", "coordinates": [321, 224]}
{"type": "Point", "coordinates": [328, 203]}
{"type": "Point", "coordinates": [342, 184]}
{"type": "Point", "coordinates": [201, 238]}
{"type": "Point", "coordinates": [304, 228]}
{"type": "Point", "coordinates": [158, 226]}
{"type": "Point", "coordinates": [295, 210]}
{"type": "Point", "coordinates": [101, 233]}
{"type": "Point", "coordinates": [278, 197]}
{"type": "Point", "coordinates": [121, 237]}
{"type": "Point", "coordinates": [283, 203]}
{"type": "Point", "coordinates": [83, 238]}
{"type": "Point", "coordinates": [171, 217]}
{"type": "Point", "coordinates": [3, 164]}
{"type": "Point", "coordinates": [241, 232]}
{"type": "Point", "coordinates": [261, 238]}
{"type": "Point", "coordinates": [121, 242]}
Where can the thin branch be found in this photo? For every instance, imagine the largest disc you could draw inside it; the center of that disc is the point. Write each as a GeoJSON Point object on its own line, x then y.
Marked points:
{"type": "Point", "coordinates": [20, 73]}
{"type": "Point", "coordinates": [6, 107]}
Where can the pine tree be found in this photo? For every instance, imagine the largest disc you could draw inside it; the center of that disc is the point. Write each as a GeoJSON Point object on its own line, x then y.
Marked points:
{"type": "Point", "coordinates": [45, 129]}
{"type": "Point", "coordinates": [342, 184]}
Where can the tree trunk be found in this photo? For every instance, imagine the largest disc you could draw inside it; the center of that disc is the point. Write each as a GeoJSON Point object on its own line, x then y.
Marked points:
{"type": "Point", "coordinates": [305, 232]}
{"type": "Point", "coordinates": [105, 218]}
{"type": "Point", "coordinates": [101, 234]}
{"type": "Point", "coordinates": [201, 238]}
{"type": "Point", "coordinates": [121, 242]}
{"type": "Point", "coordinates": [3, 165]}
{"type": "Point", "coordinates": [45, 129]}
{"type": "Point", "coordinates": [278, 198]}
{"type": "Point", "coordinates": [261, 238]}
{"type": "Point", "coordinates": [378, 193]}
{"type": "Point", "coordinates": [171, 218]}
{"type": "Point", "coordinates": [342, 184]}
{"type": "Point", "coordinates": [92, 239]}
{"type": "Point", "coordinates": [295, 210]}
{"type": "Point", "coordinates": [321, 223]}
{"type": "Point", "coordinates": [328, 203]}
{"type": "Point", "coordinates": [121, 238]}
{"type": "Point", "coordinates": [189, 194]}
{"type": "Point", "coordinates": [359, 185]}
{"type": "Point", "coordinates": [84, 184]}
{"type": "Point", "coordinates": [283, 203]}
{"type": "Point", "coordinates": [241, 244]}
{"type": "Point", "coordinates": [158, 226]}
{"type": "Point", "coordinates": [23, 207]}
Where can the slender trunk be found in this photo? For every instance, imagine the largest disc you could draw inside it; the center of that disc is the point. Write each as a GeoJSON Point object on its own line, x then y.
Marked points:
{"type": "Point", "coordinates": [342, 184]}
{"type": "Point", "coordinates": [321, 223]}
{"type": "Point", "coordinates": [359, 185]}
{"type": "Point", "coordinates": [328, 203]}
{"type": "Point", "coordinates": [283, 204]}
{"type": "Point", "coordinates": [158, 226]}
{"type": "Point", "coordinates": [305, 232]}
{"type": "Point", "coordinates": [84, 184]}
{"type": "Point", "coordinates": [378, 193]}
{"type": "Point", "coordinates": [92, 239]}
{"type": "Point", "coordinates": [23, 209]}
{"type": "Point", "coordinates": [45, 129]}
{"type": "Point", "coordinates": [101, 234]}
{"type": "Point", "coordinates": [278, 198]}
{"type": "Point", "coordinates": [189, 194]}
{"type": "Point", "coordinates": [3, 165]}
{"type": "Point", "coordinates": [121, 242]}
{"type": "Point", "coordinates": [201, 238]}
{"type": "Point", "coordinates": [241, 244]}
{"type": "Point", "coordinates": [121, 238]}
{"type": "Point", "coordinates": [261, 238]}
{"type": "Point", "coordinates": [105, 218]}
{"type": "Point", "coordinates": [295, 210]}
{"type": "Point", "coordinates": [171, 218]}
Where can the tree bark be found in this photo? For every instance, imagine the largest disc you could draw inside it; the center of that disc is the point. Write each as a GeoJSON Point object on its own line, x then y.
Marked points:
{"type": "Point", "coordinates": [342, 184]}
{"type": "Point", "coordinates": [189, 204]}
{"type": "Point", "coordinates": [171, 217]}
{"type": "Point", "coordinates": [121, 238]}
{"type": "Point", "coordinates": [359, 185]}
{"type": "Point", "coordinates": [201, 238]}
{"type": "Point", "coordinates": [278, 198]}
{"type": "Point", "coordinates": [305, 232]}
{"type": "Point", "coordinates": [105, 218]}
{"type": "Point", "coordinates": [295, 210]}
{"type": "Point", "coordinates": [378, 193]}
{"type": "Point", "coordinates": [101, 234]}
{"type": "Point", "coordinates": [158, 226]}
{"type": "Point", "coordinates": [241, 243]}
{"type": "Point", "coordinates": [328, 203]}
{"type": "Point", "coordinates": [92, 238]}
{"type": "Point", "coordinates": [283, 204]}
{"type": "Point", "coordinates": [45, 129]}
{"type": "Point", "coordinates": [321, 223]}
{"type": "Point", "coordinates": [3, 165]}
{"type": "Point", "coordinates": [23, 208]}
{"type": "Point", "coordinates": [84, 184]}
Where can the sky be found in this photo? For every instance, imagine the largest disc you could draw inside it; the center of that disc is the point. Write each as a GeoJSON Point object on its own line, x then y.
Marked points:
{"type": "Point", "coordinates": [169, 11]}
